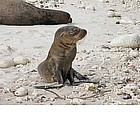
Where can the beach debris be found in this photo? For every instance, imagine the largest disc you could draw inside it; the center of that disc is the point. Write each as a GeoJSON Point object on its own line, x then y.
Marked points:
{"type": "Point", "coordinates": [92, 88]}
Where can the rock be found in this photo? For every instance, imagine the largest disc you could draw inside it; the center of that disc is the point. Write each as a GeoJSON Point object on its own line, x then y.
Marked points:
{"type": "Point", "coordinates": [22, 91]}
{"type": "Point", "coordinates": [6, 63]}
{"type": "Point", "coordinates": [126, 58]}
{"type": "Point", "coordinates": [89, 86]}
{"type": "Point", "coordinates": [126, 41]}
{"type": "Point", "coordinates": [126, 96]}
{"type": "Point", "coordinates": [113, 14]}
{"type": "Point", "coordinates": [131, 86]}
{"type": "Point", "coordinates": [104, 1]}
{"type": "Point", "coordinates": [19, 100]}
{"type": "Point", "coordinates": [77, 101]}
{"type": "Point", "coordinates": [20, 60]}
{"type": "Point", "coordinates": [61, 1]}
{"type": "Point", "coordinates": [126, 20]}
{"type": "Point", "coordinates": [134, 53]}
{"type": "Point", "coordinates": [37, 92]}
{"type": "Point", "coordinates": [137, 91]}
{"type": "Point", "coordinates": [90, 7]}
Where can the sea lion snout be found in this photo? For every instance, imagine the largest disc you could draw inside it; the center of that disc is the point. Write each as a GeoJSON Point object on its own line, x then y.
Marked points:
{"type": "Point", "coordinates": [82, 34]}
{"type": "Point", "coordinates": [70, 20]}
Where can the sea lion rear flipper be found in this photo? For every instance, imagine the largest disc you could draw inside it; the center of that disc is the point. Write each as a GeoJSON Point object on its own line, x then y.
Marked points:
{"type": "Point", "coordinates": [73, 73]}
{"type": "Point", "coordinates": [80, 76]}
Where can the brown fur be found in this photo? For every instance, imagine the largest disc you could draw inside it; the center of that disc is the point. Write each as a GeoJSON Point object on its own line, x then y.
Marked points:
{"type": "Point", "coordinates": [58, 65]}
{"type": "Point", "coordinates": [18, 12]}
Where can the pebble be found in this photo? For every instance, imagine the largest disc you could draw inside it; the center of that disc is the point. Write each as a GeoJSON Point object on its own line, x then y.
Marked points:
{"type": "Point", "coordinates": [20, 60]}
{"type": "Point", "coordinates": [137, 92]}
{"type": "Point", "coordinates": [90, 7]}
{"type": "Point", "coordinates": [104, 1]}
{"type": "Point", "coordinates": [126, 96]}
{"type": "Point", "coordinates": [79, 58]}
{"type": "Point", "coordinates": [126, 58]}
{"type": "Point", "coordinates": [77, 101]}
{"type": "Point", "coordinates": [138, 97]}
{"type": "Point", "coordinates": [88, 86]}
{"type": "Point", "coordinates": [126, 20]}
{"type": "Point", "coordinates": [6, 63]}
{"type": "Point", "coordinates": [134, 53]}
{"type": "Point", "coordinates": [22, 91]}
{"type": "Point", "coordinates": [61, 1]}
{"type": "Point", "coordinates": [113, 14]}
{"type": "Point", "coordinates": [19, 100]}
{"type": "Point", "coordinates": [37, 92]}
{"type": "Point", "coordinates": [131, 86]}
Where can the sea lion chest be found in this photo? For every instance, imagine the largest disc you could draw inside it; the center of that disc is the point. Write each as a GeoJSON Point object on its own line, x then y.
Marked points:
{"type": "Point", "coordinates": [62, 58]}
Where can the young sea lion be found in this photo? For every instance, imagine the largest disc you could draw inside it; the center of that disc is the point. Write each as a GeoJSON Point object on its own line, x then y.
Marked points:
{"type": "Point", "coordinates": [19, 12]}
{"type": "Point", "coordinates": [58, 65]}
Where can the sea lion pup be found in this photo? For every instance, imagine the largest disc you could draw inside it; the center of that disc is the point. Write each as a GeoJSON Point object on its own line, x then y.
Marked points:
{"type": "Point", "coordinates": [58, 65]}
{"type": "Point", "coordinates": [19, 12]}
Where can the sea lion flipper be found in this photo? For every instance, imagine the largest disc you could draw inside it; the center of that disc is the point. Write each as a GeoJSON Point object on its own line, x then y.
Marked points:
{"type": "Point", "coordinates": [73, 73]}
{"type": "Point", "coordinates": [79, 76]}
{"type": "Point", "coordinates": [58, 77]}
{"type": "Point", "coordinates": [49, 86]}
{"type": "Point", "coordinates": [70, 76]}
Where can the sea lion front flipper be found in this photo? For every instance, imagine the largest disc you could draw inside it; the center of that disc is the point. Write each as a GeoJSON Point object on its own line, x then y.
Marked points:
{"type": "Point", "coordinates": [70, 76]}
{"type": "Point", "coordinates": [58, 77]}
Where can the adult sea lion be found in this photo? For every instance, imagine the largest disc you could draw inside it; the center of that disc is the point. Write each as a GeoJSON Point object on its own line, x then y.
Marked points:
{"type": "Point", "coordinates": [57, 67]}
{"type": "Point", "coordinates": [19, 12]}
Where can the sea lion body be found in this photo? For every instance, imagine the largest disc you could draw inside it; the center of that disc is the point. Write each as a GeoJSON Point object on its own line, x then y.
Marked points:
{"type": "Point", "coordinates": [19, 12]}
{"type": "Point", "coordinates": [58, 65]}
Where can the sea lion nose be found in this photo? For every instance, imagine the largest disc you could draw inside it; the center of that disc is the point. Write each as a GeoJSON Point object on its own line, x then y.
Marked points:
{"type": "Point", "coordinates": [70, 20]}
{"type": "Point", "coordinates": [84, 31]}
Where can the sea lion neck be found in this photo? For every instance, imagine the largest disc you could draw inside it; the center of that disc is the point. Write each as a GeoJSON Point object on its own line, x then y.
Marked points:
{"type": "Point", "coordinates": [61, 49]}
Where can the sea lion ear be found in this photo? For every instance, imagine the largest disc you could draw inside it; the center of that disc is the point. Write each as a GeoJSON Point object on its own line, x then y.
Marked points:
{"type": "Point", "coordinates": [62, 34]}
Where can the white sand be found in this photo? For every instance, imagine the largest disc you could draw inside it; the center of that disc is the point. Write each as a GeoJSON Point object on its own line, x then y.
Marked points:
{"type": "Point", "coordinates": [104, 65]}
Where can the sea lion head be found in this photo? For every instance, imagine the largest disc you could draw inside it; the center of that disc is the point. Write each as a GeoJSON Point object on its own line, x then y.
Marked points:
{"type": "Point", "coordinates": [70, 34]}
{"type": "Point", "coordinates": [55, 17]}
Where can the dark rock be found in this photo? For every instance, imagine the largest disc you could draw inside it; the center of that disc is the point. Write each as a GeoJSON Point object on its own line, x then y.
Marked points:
{"type": "Point", "coordinates": [126, 96]}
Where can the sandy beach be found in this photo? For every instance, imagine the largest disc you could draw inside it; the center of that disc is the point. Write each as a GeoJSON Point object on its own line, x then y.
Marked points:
{"type": "Point", "coordinates": [115, 71]}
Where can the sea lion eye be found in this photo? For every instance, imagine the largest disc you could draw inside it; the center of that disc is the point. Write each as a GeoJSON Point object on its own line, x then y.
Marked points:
{"type": "Point", "coordinates": [73, 31]}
